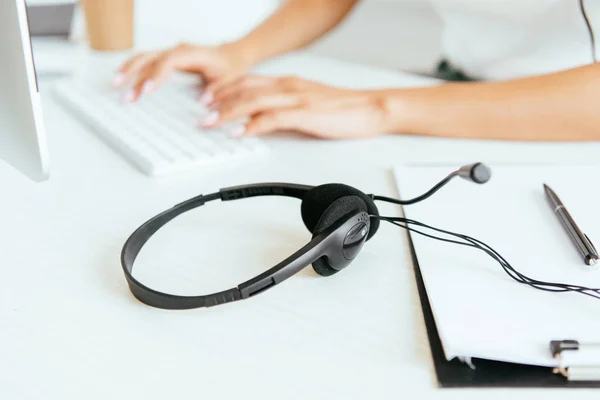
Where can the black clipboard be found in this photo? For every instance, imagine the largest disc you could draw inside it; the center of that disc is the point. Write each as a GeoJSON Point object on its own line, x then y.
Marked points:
{"type": "Point", "coordinates": [487, 373]}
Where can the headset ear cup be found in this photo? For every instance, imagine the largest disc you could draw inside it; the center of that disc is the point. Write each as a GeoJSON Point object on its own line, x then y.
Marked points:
{"type": "Point", "coordinates": [338, 209]}
{"type": "Point", "coordinates": [322, 268]}
{"type": "Point", "coordinates": [320, 198]}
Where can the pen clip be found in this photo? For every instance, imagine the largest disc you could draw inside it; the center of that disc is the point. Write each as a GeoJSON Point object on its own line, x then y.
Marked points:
{"type": "Point", "coordinates": [591, 244]}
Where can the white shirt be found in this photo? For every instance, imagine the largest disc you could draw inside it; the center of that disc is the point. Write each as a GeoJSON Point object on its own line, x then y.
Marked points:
{"type": "Point", "coordinates": [504, 39]}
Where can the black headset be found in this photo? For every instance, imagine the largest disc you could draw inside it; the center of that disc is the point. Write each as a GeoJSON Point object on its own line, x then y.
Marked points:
{"type": "Point", "coordinates": [340, 218]}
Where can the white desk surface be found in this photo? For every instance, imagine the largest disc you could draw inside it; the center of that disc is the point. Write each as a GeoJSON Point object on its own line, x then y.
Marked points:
{"type": "Point", "coordinates": [70, 329]}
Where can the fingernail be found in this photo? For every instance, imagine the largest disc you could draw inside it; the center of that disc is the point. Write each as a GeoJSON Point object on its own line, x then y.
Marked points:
{"type": "Point", "coordinates": [238, 131]}
{"type": "Point", "coordinates": [206, 98]}
{"type": "Point", "coordinates": [147, 87]}
{"type": "Point", "coordinates": [118, 80]}
{"type": "Point", "coordinates": [210, 119]}
{"type": "Point", "coordinates": [129, 96]}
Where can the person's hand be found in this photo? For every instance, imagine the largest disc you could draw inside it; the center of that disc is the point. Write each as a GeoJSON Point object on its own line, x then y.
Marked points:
{"type": "Point", "coordinates": [288, 103]}
{"type": "Point", "coordinates": [147, 71]}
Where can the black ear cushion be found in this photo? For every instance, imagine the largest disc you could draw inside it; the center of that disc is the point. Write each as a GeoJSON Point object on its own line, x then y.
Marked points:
{"type": "Point", "coordinates": [338, 209]}
{"type": "Point", "coordinates": [319, 198]}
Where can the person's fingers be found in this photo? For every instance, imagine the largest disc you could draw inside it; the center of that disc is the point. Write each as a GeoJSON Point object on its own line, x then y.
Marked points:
{"type": "Point", "coordinates": [151, 77]}
{"type": "Point", "coordinates": [131, 67]}
{"type": "Point", "coordinates": [207, 97]}
{"type": "Point", "coordinates": [206, 94]}
{"type": "Point", "coordinates": [235, 87]}
{"type": "Point", "coordinates": [271, 121]}
{"type": "Point", "coordinates": [250, 104]}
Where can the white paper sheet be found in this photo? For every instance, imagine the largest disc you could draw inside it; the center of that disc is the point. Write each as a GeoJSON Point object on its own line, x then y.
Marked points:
{"type": "Point", "coordinates": [479, 310]}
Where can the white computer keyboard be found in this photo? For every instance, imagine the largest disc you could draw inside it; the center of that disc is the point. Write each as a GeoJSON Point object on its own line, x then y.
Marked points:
{"type": "Point", "coordinates": [160, 133]}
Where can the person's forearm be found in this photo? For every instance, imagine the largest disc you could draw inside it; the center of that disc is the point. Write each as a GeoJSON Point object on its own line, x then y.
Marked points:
{"type": "Point", "coordinates": [554, 107]}
{"type": "Point", "coordinates": [295, 24]}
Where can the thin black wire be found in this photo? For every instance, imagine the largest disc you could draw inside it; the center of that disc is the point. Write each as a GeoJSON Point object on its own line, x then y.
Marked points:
{"type": "Point", "coordinates": [541, 285]}
{"type": "Point", "coordinates": [590, 29]}
{"type": "Point", "coordinates": [478, 244]}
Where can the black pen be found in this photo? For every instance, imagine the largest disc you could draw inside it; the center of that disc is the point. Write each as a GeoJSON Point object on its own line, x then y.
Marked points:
{"type": "Point", "coordinates": [582, 242]}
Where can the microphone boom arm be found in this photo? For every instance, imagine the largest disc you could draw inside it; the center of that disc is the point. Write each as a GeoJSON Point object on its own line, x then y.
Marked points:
{"type": "Point", "coordinates": [420, 198]}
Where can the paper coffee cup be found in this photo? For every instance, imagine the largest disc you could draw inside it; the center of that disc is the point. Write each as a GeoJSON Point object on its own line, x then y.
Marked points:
{"type": "Point", "coordinates": [109, 23]}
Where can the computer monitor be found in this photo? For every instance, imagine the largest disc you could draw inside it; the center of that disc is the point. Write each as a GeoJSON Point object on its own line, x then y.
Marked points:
{"type": "Point", "coordinates": [22, 134]}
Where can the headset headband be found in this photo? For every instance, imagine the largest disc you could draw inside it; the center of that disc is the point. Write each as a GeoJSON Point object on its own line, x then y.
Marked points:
{"type": "Point", "coordinates": [283, 270]}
